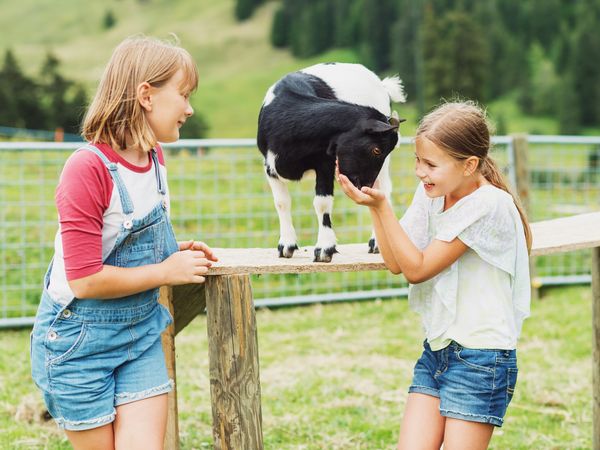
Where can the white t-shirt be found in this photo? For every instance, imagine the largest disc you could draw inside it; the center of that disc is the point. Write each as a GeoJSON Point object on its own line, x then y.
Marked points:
{"type": "Point", "coordinates": [481, 300]}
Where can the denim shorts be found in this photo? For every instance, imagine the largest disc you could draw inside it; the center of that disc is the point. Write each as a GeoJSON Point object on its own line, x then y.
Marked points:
{"type": "Point", "coordinates": [472, 384]}
{"type": "Point", "coordinates": [87, 360]}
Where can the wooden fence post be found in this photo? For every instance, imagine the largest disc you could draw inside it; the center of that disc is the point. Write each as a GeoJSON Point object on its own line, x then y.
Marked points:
{"type": "Point", "coordinates": [521, 148]}
{"type": "Point", "coordinates": [233, 362]}
{"type": "Point", "coordinates": [596, 347]}
{"type": "Point", "coordinates": [168, 342]}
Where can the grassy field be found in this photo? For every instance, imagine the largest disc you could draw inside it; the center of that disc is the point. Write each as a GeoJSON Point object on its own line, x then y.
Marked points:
{"type": "Point", "coordinates": [334, 377]}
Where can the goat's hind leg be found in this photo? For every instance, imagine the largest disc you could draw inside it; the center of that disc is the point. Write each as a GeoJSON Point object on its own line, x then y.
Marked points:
{"type": "Point", "coordinates": [283, 203]}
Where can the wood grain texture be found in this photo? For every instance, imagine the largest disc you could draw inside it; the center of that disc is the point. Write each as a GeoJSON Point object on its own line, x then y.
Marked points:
{"type": "Point", "coordinates": [596, 346]}
{"type": "Point", "coordinates": [168, 342]}
{"type": "Point", "coordinates": [233, 363]}
{"type": "Point", "coordinates": [189, 300]}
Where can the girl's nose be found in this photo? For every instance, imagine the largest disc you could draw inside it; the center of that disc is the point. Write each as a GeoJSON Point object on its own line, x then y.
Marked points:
{"type": "Point", "coordinates": [189, 110]}
{"type": "Point", "coordinates": [418, 172]}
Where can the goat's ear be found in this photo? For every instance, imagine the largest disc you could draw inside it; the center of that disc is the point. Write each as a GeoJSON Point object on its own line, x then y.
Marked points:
{"type": "Point", "coordinates": [373, 126]}
{"type": "Point", "coordinates": [331, 149]}
{"type": "Point", "coordinates": [395, 120]}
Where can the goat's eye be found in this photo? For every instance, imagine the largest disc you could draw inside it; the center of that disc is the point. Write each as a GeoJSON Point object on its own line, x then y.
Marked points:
{"type": "Point", "coordinates": [376, 151]}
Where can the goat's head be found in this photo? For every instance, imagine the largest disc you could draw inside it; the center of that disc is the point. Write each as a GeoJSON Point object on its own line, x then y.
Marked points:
{"type": "Point", "coordinates": [362, 150]}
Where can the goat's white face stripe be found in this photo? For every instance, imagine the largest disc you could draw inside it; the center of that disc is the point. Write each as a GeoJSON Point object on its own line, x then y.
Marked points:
{"type": "Point", "coordinates": [283, 204]}
{"type": "Point", "coordinates": [324, 205]}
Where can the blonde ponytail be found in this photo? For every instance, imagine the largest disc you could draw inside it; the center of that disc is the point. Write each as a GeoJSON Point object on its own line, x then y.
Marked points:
{"type": "Point", "coordinates": [492, 173]}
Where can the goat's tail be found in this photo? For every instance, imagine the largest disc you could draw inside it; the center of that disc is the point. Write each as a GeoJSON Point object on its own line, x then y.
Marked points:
{"type": "Point", "coordinates": [395, 89]}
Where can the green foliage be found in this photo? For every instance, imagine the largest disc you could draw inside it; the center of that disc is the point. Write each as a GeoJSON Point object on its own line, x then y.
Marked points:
{"type": "Point", "coordinates": [23, 108]}
{"type": "Point", "coordinates": [377, 19]}
{"type": "Point", "coordinates": [468, 48]}
{"type": "Point", "coordinates": [279, 29]}
{"type": "Point", "coordinates": [245, 8]}
{"type": "Point", "coordinates": [109, 20]}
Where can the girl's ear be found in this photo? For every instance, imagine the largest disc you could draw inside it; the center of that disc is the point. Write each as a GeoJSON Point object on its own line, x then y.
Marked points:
{"type": "Point", "coordinates": [143, 95]}
{"type": "Point", "coordinates": [471, 164]}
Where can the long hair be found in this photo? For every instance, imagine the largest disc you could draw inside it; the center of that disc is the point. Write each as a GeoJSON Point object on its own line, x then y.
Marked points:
{"type": "Point", "coordinates": [462, 130]}
{"type": "Point", "coordinates": [115, 116]}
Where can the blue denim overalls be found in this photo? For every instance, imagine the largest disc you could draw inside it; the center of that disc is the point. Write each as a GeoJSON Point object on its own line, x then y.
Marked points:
{"type": "Point", "coordinates": [92, 355]}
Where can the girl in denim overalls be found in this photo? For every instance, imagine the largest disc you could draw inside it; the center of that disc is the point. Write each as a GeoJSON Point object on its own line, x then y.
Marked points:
{"type": "Point", "coordinates": [463, 245]}
{"type": "Point", "coordinates": [96, 350]}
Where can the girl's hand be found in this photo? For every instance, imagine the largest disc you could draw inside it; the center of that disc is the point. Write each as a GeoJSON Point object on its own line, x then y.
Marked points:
{"type": "Point", "coordinates": [186, 266]}
{"type": "Point", "coordinates": [198, 245]}
{"type": "Point", "coordinates": [367, 196]}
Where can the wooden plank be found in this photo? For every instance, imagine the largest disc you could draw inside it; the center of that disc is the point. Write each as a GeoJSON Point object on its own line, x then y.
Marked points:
{"type": "Point", "coordinates": [168, 342]}
{"type": "Point", "coordinates": [566, 234]}
{"type": "Point", "coordinates": [552, 236]}
{"type": "Point", "coordinates": [189, 300]}
{"type": "Point", "coordinates": [233, 363]}
{"type": "Point", "coordinates": [596, 346]}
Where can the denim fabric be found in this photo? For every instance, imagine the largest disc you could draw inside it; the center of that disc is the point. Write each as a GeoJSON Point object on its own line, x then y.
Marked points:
{"type": "Point", "coordinates": [92, 355]}
{"type": "Point", "coordinates": [472, 384]}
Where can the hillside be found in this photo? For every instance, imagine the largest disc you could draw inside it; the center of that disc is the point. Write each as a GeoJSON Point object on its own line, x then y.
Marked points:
{"type": "Point", "coordinates": [236, 61]}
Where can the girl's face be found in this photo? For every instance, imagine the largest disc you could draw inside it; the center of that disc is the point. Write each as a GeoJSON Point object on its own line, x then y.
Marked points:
{"type": "Point", "coordinates": [170, 108]}
{"type": "Point", "coordinates": [440, 173]}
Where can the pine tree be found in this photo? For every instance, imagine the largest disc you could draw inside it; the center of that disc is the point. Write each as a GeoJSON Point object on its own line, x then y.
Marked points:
{"type": "Point", "coordinates": [28, 110]}
{"type": "Point", "coordinates": [280, 29]}
{"type": "Point", "coordinates": [456, 58]}
{"type": "Point", "coordinates": [377, 19]}
{"type": "Point", "coordinates": [585, 52]}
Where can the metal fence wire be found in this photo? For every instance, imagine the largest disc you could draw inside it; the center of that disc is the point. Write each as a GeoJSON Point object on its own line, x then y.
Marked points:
{"type": "Point", "coordinates": [219, 194]}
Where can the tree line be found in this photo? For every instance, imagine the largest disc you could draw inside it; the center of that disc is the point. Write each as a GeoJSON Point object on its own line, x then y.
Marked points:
{"type": "Point", "coordinates": [46, 102]}
{"type": "Point", "coordinates": [50, 101]}
{"type": "Point", "coordinates": [542, 52]}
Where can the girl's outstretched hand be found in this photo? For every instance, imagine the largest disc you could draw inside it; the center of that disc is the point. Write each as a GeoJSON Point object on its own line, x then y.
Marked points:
{"type": "Point", "coordinates": [365, 196]}
{"type": "Point", "coordinates": [198, 245]}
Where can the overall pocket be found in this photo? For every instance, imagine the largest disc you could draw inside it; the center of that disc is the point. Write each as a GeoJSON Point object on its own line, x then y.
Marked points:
{"type": "Point", "coordinates": [63, 339]}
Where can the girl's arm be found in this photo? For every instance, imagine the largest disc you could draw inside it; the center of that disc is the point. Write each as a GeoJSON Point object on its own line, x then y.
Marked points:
{"type": "Point", "coordinates": [398, 251]}
{"type": "Point", "coordinates": [189, 265]}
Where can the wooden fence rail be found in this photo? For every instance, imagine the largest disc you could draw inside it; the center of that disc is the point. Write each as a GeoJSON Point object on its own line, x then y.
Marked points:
{"type": "Point", "coordinates": [232, 338]}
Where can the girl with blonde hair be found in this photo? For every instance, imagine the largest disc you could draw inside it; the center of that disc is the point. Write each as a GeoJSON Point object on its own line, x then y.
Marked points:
{"type": "Point", "coordinates": [463, 246]}
{"type": "Point", "coordinates": [95, 346]}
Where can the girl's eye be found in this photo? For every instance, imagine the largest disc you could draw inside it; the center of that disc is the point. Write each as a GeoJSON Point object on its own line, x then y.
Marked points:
{"type": "Point", "coordinates": [376, 151]}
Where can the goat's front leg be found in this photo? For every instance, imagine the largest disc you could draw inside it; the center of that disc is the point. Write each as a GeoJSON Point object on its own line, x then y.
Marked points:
{"type": "Point", "coordinates": [323, 204]}
{"type": "Point", "coordinates": [384, 183]}
{"type": "Point", "coordinates": [283, 203]}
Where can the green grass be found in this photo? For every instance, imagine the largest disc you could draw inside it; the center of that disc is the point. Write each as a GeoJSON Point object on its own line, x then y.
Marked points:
{"type": "Point", "coordinates": [335, 377]}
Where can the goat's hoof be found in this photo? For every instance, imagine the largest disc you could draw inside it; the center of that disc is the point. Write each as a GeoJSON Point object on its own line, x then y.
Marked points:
{"type": "Point", "coordinates": [286, 251]}
{"type": "Point", "coordinates": [373, 248]}
{"type": "Point", "coordinates": [324, 254]}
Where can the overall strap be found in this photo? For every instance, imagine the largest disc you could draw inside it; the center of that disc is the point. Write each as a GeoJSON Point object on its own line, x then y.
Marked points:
{"type": "Point", "coordinates": [126, 202]}
{"type": "Point", "coordinates": [159, 179]}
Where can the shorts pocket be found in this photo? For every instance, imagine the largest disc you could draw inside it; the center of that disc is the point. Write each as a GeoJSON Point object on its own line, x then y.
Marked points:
{"type": "Point", "coordinates": [511, 383]}
{"type": "Point", "coordinates": [482, 360]}
{"type": "Point", "coordinates": [63, 339]}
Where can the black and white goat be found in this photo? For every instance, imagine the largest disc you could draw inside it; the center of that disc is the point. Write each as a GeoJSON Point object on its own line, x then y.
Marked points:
{"type": "Point", "coordinates": [311, 117]}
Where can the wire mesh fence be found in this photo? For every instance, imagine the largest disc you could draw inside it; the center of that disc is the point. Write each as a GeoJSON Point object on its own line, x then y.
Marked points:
{"type": "Point", "coordinates": [219, 194]}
